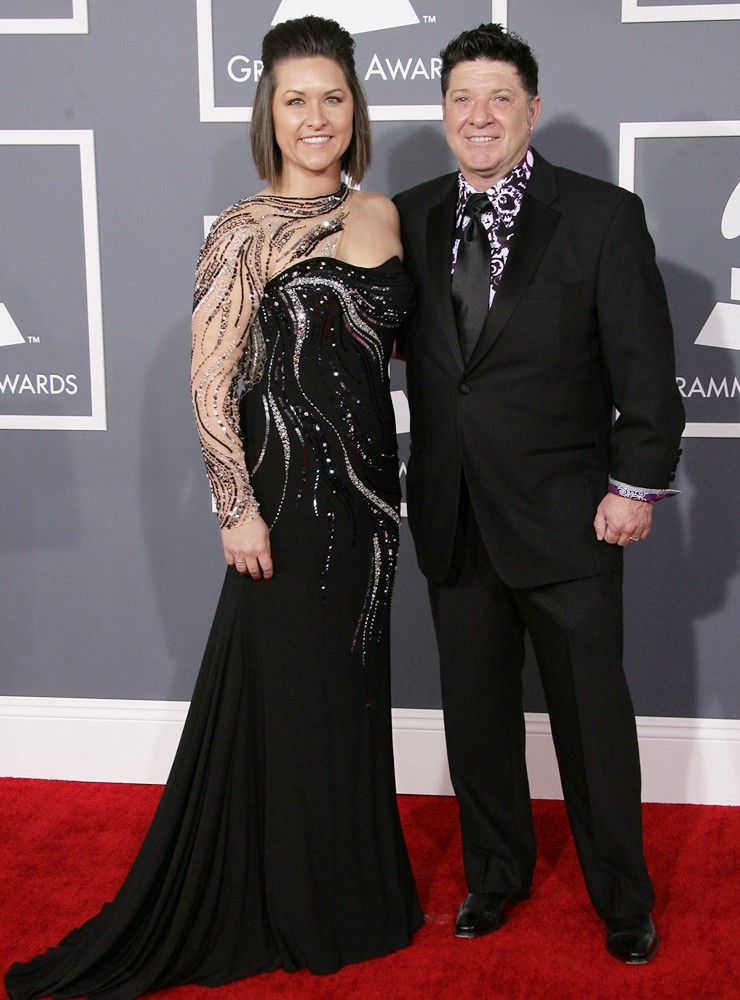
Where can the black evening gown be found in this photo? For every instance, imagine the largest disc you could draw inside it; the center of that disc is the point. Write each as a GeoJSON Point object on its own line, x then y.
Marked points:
{"type": "Point", "coordinates": [277, 842]}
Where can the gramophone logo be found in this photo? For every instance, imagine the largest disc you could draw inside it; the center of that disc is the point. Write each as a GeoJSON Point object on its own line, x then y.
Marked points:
{"type": "Point", "coordinates": [722, 329]}
{"type": "Point", "coordinates": [9, 332]}
{"type": "Point", "coordinates": [694, 212]}
{"type": "Point", "coordinates": [52, 374]}
{"type": "Point", "coordinates": [355, 17]}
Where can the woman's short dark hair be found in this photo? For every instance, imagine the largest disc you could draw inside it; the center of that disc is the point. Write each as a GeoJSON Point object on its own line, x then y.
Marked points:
{"type": "Point", "coordinates": [491, 41]}
{"type": "Point", "coordinates": [298, 39]}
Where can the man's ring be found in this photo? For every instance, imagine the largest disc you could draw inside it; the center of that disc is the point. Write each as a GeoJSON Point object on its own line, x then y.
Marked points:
{"type": "Point", "coordinates": [634, 538]}
{"type": "Point", "coordinates": [241, 562]}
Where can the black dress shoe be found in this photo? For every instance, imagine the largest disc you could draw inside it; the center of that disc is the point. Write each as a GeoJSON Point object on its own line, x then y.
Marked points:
{"type": "Point", "coordinates": [483, 912]}
{"type": "Point", "coordinates": [633, 940]}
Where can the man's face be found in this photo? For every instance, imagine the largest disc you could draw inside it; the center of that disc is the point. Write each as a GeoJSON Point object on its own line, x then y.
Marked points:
{"type": "Point", "coordinates": [488, 117]}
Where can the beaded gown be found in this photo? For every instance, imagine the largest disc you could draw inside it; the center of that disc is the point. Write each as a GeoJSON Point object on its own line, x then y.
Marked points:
{"type": "Point", "coordinates": [277, 842]}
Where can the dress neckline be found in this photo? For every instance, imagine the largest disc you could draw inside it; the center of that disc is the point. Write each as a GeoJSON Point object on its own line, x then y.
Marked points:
{"type": "Point", "coordinates": [305, 208]}
{"type": "Point", "coordinates": [324, 261]}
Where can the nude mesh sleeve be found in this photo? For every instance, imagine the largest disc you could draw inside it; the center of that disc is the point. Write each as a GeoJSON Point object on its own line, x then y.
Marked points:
{"type": "Point", "coordinates": [230, 278]}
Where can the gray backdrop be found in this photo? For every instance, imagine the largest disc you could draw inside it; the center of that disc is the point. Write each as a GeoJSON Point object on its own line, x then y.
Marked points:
{"type": "Point", "coordinates": [111, 561]}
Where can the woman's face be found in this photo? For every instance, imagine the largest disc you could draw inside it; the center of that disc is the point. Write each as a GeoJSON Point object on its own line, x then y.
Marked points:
{"type": "Point", "coordinates": [312, 111]}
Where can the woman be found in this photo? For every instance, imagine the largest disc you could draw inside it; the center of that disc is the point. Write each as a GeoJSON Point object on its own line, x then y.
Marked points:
{"type": "Point", "coordinates": [277, 842]}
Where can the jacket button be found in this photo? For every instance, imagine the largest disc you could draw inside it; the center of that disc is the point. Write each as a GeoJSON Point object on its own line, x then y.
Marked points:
{"type": "Point", "coordinates": [464, 388]}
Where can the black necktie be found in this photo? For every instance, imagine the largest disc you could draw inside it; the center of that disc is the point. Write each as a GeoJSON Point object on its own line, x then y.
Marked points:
{"type": "Point", "coordinates": [471, 280]}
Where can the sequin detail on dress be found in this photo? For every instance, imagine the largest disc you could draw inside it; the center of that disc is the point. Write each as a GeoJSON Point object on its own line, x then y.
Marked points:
{"type": "Point", "coordinates": [248, 243]}
{"type": "Point", "coordinates": [322, 415]}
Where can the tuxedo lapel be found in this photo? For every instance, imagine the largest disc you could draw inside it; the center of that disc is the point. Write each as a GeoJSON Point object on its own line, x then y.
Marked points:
{"type": "Point", "coordinates": [440, 236]}
{"type": "Point", "coordinates": [535, 226]}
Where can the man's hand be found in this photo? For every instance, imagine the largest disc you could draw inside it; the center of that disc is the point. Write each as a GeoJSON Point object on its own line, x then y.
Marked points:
{"type": "Point", "coordinates": [620, 521]}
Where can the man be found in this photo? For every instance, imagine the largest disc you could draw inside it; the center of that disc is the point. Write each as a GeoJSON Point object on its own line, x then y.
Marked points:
{"type": "Point", "coordinates": [541, 311]}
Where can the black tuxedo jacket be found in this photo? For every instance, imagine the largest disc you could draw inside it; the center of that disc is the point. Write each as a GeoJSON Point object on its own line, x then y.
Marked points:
{"type": "Point", "coordinates": [579, 326]}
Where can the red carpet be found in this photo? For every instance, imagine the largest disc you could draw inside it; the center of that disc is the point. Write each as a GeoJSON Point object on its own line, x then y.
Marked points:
{"type": "Point", "coordinates": [65, 846]}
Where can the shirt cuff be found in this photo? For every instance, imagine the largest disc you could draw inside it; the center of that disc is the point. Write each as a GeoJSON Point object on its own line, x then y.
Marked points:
{"type": "Point", "coordinates": [639, 492]}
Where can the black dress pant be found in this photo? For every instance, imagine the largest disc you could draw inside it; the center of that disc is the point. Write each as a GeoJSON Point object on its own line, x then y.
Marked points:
{"type": "Point", "coordinates": [576, 631]}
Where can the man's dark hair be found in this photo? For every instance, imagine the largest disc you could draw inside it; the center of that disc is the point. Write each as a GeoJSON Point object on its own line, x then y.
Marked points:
{"type": "Point", "coordinates": [491, 41]}
{"type": "Point", "coordinates": [297, 39]}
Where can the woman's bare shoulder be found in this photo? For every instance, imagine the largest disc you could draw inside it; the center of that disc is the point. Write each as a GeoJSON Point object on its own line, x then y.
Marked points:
{"type": "Point", "coordinates": [378, 207]}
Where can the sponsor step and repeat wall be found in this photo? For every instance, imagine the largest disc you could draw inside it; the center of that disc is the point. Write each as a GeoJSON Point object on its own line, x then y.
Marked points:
{"type": "Point", "coordinates": [123, 133]}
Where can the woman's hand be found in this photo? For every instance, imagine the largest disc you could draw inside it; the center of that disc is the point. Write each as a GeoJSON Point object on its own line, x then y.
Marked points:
{"type": "Point", "coordinates": [247, 548]}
